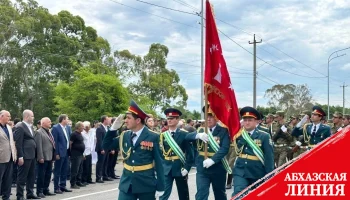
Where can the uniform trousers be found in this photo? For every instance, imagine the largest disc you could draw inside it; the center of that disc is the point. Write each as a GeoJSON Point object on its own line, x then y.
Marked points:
{"type": "Point", "coordinates": [181, 184]}
{"type": "Point", "coordinates": [218, 182]}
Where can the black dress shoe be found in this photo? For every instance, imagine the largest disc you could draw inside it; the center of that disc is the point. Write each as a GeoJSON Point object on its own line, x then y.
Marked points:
{"type": "Point", "coordinates": [33, 197]}
{"type": "Point", "coordinates": [49, 193]}
{"type": "Point", "coordinates": [90, 182]}
{"type": "Point", "coordinates": [99, 181]}
{"type": "Point", "coordinates": [65, 190]}
{"type": "Point", "coordinates": [228, 187]}
{"type": "Point", "coordinates": [81, 185]}
{"type": "Point", "coordinates": [74, 187]}
{"type": "Point", "coordinates": [41, 195]}
{"type": "Point", "coordinates": [107, 179]}
{"type": "Point", "coordinates": [21, 198]}
{"type": "Point", "coordinates": [116, 177]}
{"type": "Point", "coordinates": [58, 192]}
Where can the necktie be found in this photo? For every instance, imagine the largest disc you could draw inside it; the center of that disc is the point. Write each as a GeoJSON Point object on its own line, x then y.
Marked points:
{"type": "Point", "coordinates": [314, 131]}
{"type": "Point", "coordinates": [172, 134]}
{"type": "Point", "coordinates": [211, 130]}
{"type": "Point", "coordinates": [132, 137]}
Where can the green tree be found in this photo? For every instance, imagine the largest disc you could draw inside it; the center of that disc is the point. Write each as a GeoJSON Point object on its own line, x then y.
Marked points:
{"type": "Point", "coordinates": [152, 79]}
{"type": "Point", "coordinates": [91, 95]}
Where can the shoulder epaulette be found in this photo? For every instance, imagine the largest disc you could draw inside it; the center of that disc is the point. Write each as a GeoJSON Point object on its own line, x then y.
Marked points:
{"type": "Point", "coordinates": [154, 131]}
{"type": "Point", "coordinates": [200, 129]}
{"type": "Point", "coordinates": [263, 132]}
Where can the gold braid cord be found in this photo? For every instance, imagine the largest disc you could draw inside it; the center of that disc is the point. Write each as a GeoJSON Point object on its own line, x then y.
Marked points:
{"type": "Point", "coordinates": [161, 143]}
{"type": "Point", "coordinates": [122, 148]}
{"type": "Point", "coordinates": [306, 136]}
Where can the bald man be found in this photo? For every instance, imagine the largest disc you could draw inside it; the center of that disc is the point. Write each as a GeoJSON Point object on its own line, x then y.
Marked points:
{"type": "Point", "coordinates": [45, 147]}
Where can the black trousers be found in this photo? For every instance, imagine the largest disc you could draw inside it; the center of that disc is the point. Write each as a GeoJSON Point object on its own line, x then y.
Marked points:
{"type": "Point", "coordinates": [112, 161]}
{"type": "Point", "coordinates": [44, 176]}
{"type": "Point", "coordinates": [76, 168]}
{"type": "Point", "coordinates": [26, 177]}
{"type": "Point", "coordinates": [87, 169]}
{"type": "Point", "coordinates": [101, 165]}
{"type": "Point", "coordinates": [6, 179]}
{"type": "Point", "coordinates": [14, 172]}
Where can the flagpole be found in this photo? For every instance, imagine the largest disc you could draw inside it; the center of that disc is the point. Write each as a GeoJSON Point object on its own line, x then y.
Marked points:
{"type": "Point", "coordinates": [202, 57]}
{"type": "Point", "coordinates": [206, 121]}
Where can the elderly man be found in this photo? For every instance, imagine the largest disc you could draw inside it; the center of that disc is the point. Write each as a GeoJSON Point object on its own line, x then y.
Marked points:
{"type": "Point", "coordinates": [8, 154]}
{"type": "Point", "coordinates": [89, 141]}
{"type": "Point", "coordinates": [45, 147]}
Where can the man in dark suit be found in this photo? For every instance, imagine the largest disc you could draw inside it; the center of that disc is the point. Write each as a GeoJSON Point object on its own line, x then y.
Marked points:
{"type": "Point", "coordinates": [178, 157]}
{"type": "Point", "coordinates": [45, 147]}
{"type": "Point", "coordinates": [61, 138]}
{"type": "Point", "coordinates": [102, 154]}
{"type": "Point", "coordinates": [140, 151]}
{"type": "Point", "coordinates": [7, 155]}
{"type": "Point", "coordinates": [25, 144]}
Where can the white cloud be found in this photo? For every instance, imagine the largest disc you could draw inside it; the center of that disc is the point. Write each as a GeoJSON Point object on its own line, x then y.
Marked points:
{"type": "Point", "coordinates": [308, 31]}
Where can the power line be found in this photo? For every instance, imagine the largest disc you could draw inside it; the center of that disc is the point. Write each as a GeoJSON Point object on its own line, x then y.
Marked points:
{"type": "Point", "coordinates": [117, 2]}
{"type": "Point", "coordinates": [259, 74]}
{"type": "Point", "coordinates": [166, 7]}
{"type": "Point", "coordinates": [186, 4]}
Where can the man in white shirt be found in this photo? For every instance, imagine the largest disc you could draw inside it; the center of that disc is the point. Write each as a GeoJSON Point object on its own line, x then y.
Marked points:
{"type": "Point", "coordinates": [89, 141]}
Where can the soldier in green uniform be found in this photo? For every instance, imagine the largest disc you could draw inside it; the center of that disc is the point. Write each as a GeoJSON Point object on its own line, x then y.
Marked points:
{"type": "Point", "coordinates": [293, 121]}
{"type": "Point", "coordinates": [254, 152]}
{"type": "Point", "coordinates": [140, 151]}
{"type": "Point", "coordinates": [177, 154]}
{"type": "Point", "coordinates": [346, 120]}
{"type": "Point", "coordinates": [282, 139]}
{"type": "Point", "coordinates": [315, 132]}
{"type": "Point", "coordinates": [211, 170]}
{"type": "Point", "coordinates": [269, 120]}
{"type": "Point", "coordinates": [337, 122]}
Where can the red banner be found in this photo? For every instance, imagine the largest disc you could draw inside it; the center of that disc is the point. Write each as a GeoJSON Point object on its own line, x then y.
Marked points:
{"type": "Point", "coordinates": [221, 95]}
{"type": "Point", "coordinates": [321, 173]}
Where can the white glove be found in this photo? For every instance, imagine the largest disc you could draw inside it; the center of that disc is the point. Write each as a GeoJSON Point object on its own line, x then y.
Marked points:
{"type": "Point", "coordinates": [117, 122]}
{"type": "Point", "coordinates": [208, 163]}
{"type": "Point", "coordinates": [159, 194]}
{"type": "Point", "coordinates": [298, 143]}
{"type": "Point", "coordinates": [184, 172]}
{"type": "Point", "coordinates": [302, 121]}
{"type": "Point", "coordinates": [284, 129]}
{"type": "Point", "coordinates": [202, 136]}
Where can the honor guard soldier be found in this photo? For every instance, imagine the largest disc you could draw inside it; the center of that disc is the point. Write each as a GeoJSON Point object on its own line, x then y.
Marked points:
{"type": "Point", "coordinates": [178, 158]}
{"type": "Point", "coordinates": [314, 132]}
{"type": "Point", "coordinates": [211, 170]}
{"type": "Point", "coordinates": [141, 156]}
{"type": "Point", "coordinates": [337, 122]}
{"type": "Point", "coordinates": [254, 152]}
{"type": "Point", "coordinates": [282, 139]}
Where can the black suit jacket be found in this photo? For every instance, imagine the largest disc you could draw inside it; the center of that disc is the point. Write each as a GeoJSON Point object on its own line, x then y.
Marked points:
{"type": "Point", "coordinates": [100, 134]}
{"type": "Point", "coordinates": [25, 143]}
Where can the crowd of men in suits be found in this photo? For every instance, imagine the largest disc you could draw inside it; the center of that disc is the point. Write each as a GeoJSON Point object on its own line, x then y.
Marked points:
{"type": "Point", "coordinates": [29, 155]}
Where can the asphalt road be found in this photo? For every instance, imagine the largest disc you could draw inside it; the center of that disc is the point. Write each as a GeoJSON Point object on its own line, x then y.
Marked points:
{"type": "Point", "coordinates": [109, 189]}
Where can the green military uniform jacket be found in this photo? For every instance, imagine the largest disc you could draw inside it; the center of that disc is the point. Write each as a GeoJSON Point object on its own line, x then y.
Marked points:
{"type": "Point", "coordinates": [253, 169]}
{"type": "Point", "coordinates": [282, 138]}
{"type": "Point", "coordinates": [145, 152]}
{"type": "Point", "coordinates": [335, 128]}
{"type": "Point", "coordinates": [322, 133]}
{"type": "Point", "coordinates": [263, 128]}
{"type": "Point", "coordinates": [221, 135]}
{"type": "Point", "coordinates": [175, 165]}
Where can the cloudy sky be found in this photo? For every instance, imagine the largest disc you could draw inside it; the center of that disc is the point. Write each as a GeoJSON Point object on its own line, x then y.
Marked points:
{"type": "Point", "coordinates": [297, 39]}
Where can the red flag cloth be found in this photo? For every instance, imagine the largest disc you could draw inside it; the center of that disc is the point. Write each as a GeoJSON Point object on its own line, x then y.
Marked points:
{"type": "Point", "coordinates": [221, 95]}
{"type": "Point", "coordinates": [321, 173]}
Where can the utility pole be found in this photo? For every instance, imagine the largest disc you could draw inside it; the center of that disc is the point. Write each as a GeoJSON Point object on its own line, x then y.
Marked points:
{"type": "Point", "coordinates": [254, 71]}
{"type": "Point", "coordinates": [343, 86]}
{"type": "Point", "coordinates": [202, 59]}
